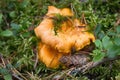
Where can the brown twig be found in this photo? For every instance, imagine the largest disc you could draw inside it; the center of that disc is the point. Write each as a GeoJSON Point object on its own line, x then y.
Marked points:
{"type": "Point", "coordinates": [86, 67]}
{"type": "Point", "coordinates": [17, 72]}
{"type": "Point", "coordinates": [13, 70]}
{"type": "Point", "coordinates": [36, 60]}
{"type": "Point", "coordinates": [17, 77]}
{"type": "Point", "coordinates": [8, 25]}
{"type": "Point", "coordinates": [92, 64]}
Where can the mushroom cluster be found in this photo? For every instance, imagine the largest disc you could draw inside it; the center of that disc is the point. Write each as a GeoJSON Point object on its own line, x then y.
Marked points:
{"type": "Point", "coordinates": [59, 40]}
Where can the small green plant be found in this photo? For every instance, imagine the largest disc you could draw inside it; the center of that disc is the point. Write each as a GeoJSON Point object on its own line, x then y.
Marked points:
{"type": "Point", "coordinates": [108, 46]}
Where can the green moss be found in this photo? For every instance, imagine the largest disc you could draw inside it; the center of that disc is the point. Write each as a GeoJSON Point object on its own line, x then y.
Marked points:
{"type": "Point", "coordinates": [58, 20]}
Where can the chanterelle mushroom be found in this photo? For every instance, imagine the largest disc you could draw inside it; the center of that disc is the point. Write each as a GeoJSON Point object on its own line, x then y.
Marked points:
{"type": "Point", "coordinates": [48, 55]}
{"type": "Point", "coordinates": [70, 35]}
